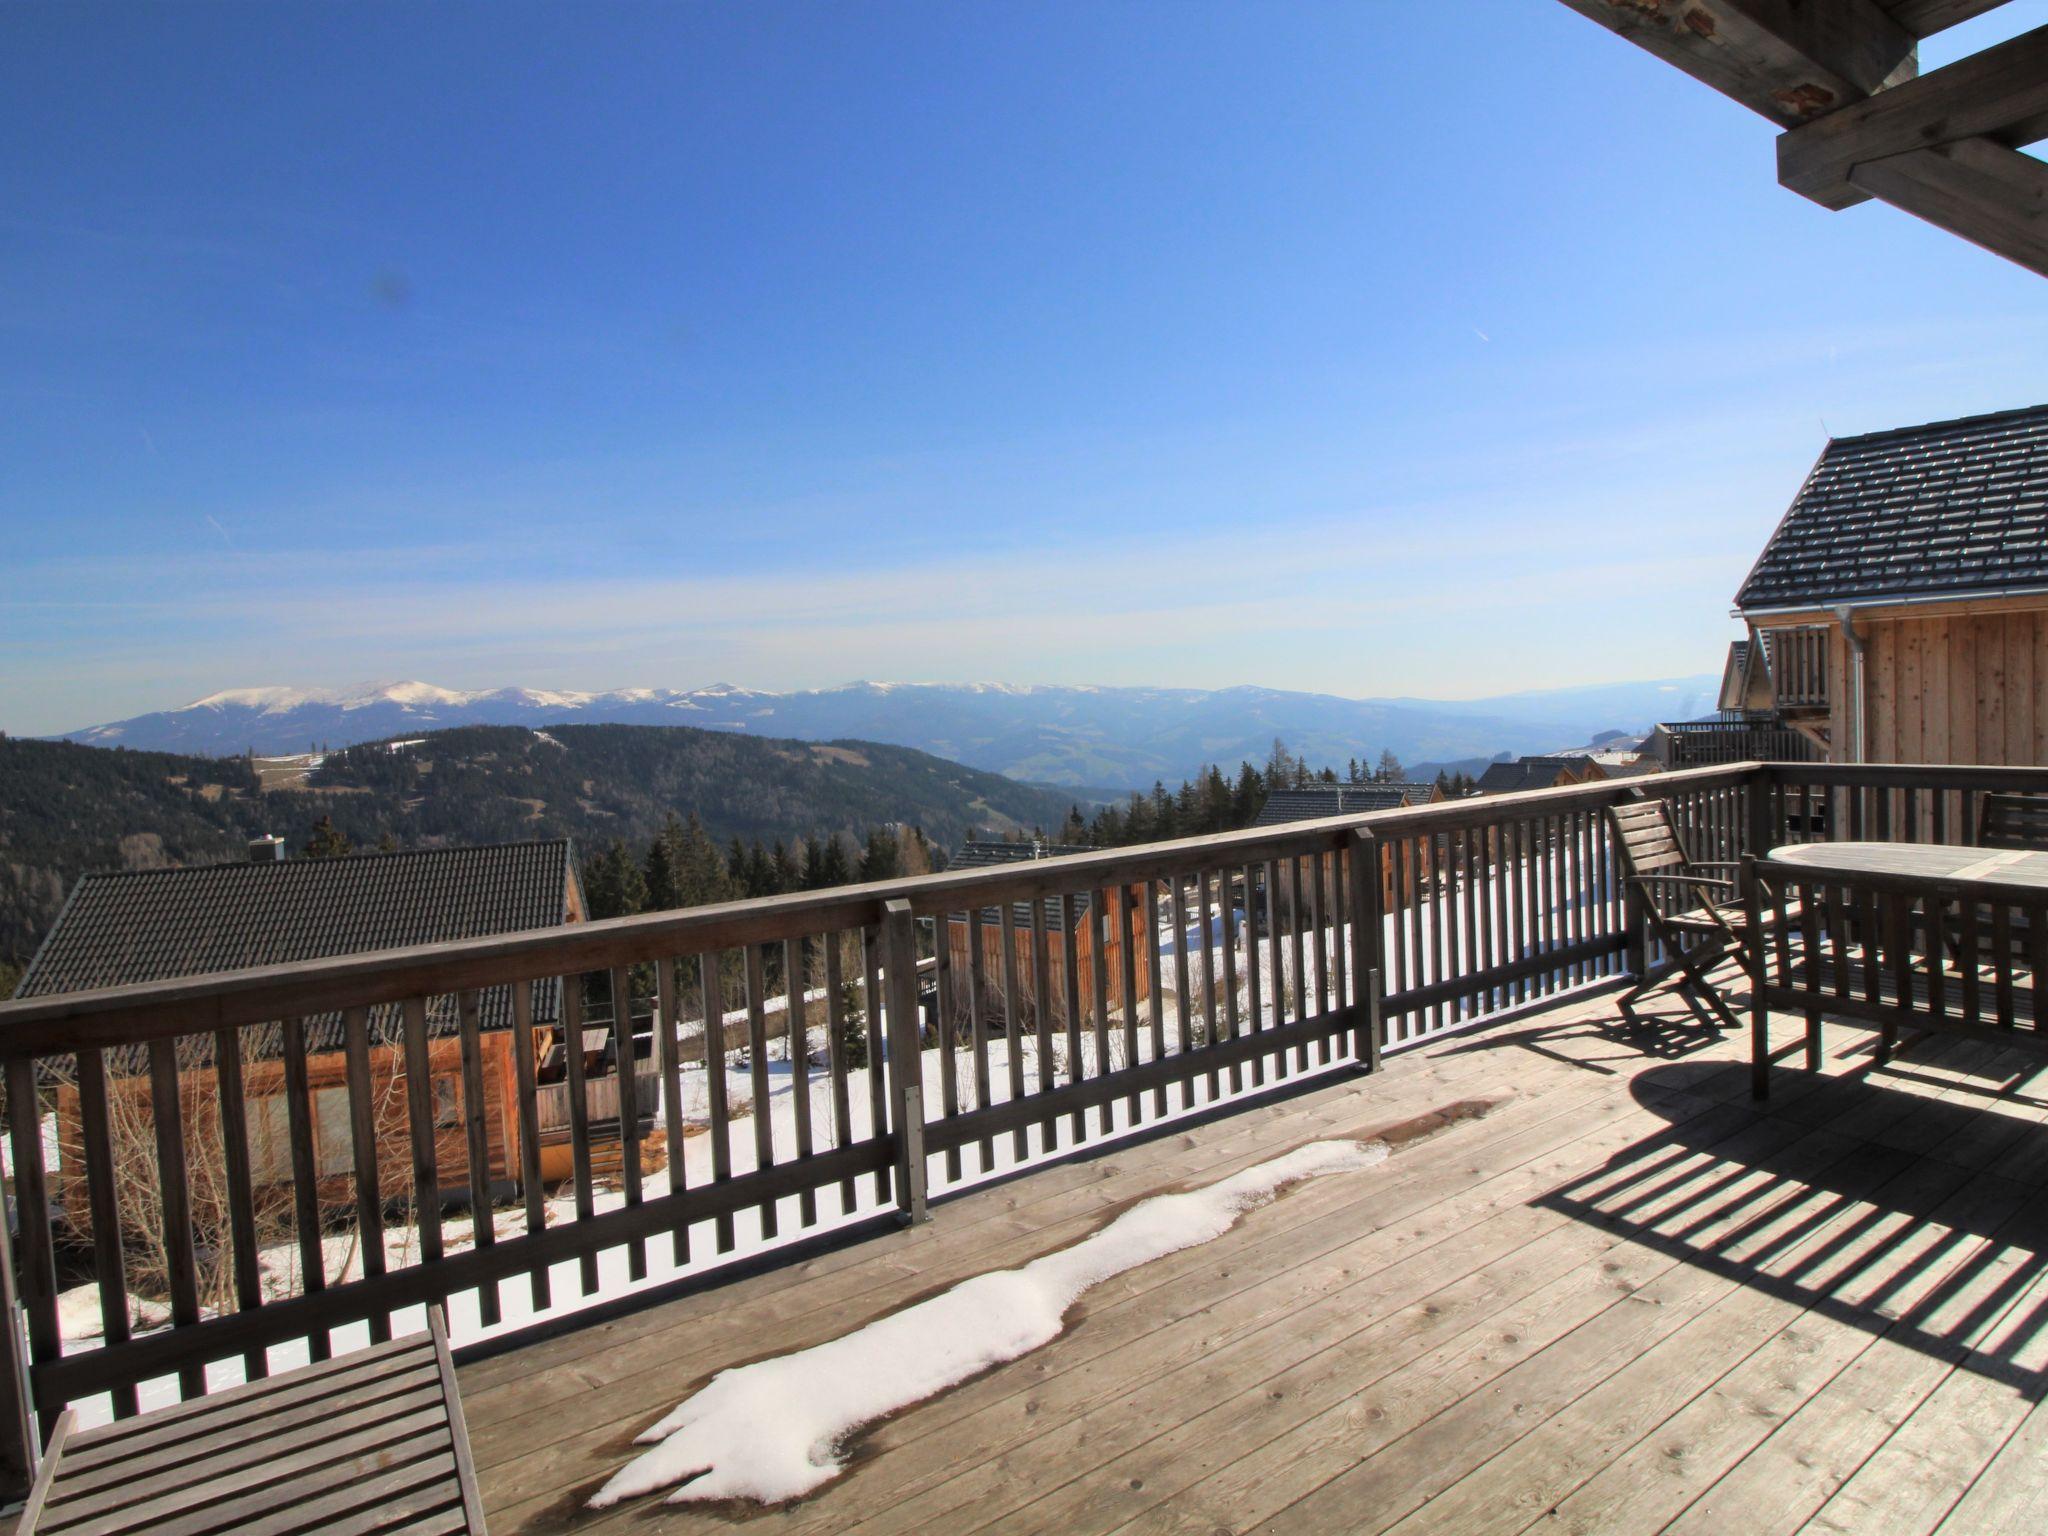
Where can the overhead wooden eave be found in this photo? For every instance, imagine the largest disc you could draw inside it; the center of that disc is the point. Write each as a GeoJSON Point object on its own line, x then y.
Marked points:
{"type": "Point", "coordinates": [1841, 77]}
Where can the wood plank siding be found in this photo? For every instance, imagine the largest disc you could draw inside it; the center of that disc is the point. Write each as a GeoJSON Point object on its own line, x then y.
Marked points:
{"type": "Point", "coordinates": [1967, 685]}
{"type": "Point", "coordinates": [270, 1152]}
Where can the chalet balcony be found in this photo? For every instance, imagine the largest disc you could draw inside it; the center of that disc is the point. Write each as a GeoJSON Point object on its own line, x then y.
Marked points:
{"type": "Point", "coordinates": [1594, 1280]}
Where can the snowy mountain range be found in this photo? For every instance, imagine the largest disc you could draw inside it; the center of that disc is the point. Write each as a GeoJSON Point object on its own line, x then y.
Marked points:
{"type": "Point", "coordinates": [1102, 737]}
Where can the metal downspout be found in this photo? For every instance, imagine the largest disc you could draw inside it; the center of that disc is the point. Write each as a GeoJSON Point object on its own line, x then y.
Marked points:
{"type": "Point", "coordinates": [1846, 612]}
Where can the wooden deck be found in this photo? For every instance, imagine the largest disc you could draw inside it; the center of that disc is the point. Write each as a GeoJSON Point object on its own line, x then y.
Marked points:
{"type": "Point", "coordinates": [1625, 1300]}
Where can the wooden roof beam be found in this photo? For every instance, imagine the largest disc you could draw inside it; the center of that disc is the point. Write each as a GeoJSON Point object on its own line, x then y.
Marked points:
{"type": "Point", "coordinates": [2000, 94]}
{"type": "Point", "coordinates": [1791, 60]}
{"type": "Point", "coordinates": [1924, 18]}
{"type": "Point", "coordinates": [1990, 195]}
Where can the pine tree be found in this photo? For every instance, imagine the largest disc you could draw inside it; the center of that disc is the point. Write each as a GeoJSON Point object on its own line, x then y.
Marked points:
{"type": "Point", "coordinates": [783, 873]}
{"type": "Point", "coordinates": [664, 888]}
{"type": "Point", "coordinates": [613, 885]}
{"type": "Point", "coordinates": [326, 841]}
{"type": "Point", "coordinates": [701, 873]}
{"type": "Point", "coordinates": [828, 864]}
{"type": "Point", "coordinates": [1389, 770]}
{"type": "Point", "coordinates": [882, 859]}
{"type": "Point", "coordinates": [1248, 798]}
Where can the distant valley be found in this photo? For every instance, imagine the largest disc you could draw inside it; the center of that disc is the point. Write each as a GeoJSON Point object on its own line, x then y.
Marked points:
{"type": "Point", "coordinates": [1080, 737]}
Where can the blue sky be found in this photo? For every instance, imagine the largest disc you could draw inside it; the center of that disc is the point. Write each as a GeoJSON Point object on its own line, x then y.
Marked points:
{"type": "Point", "coordinates": [1373, 348]}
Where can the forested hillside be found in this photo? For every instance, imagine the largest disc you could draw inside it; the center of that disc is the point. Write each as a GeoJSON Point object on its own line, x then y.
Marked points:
{"type": "Point", "coordinates": [66, 808]}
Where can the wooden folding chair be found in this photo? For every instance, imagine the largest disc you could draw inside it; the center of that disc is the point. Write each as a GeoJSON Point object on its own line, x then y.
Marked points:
{"type": "Point", "coordinates": [370, 1443]}
{"type": "Point", "coordinates": [2013, 821]}
{"type": "Point", "coordinates": [1694, 913]}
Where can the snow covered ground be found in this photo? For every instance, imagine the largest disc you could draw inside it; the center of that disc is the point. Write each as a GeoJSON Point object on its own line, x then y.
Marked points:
{"type": "Point", "coordinates": [466, 1325]}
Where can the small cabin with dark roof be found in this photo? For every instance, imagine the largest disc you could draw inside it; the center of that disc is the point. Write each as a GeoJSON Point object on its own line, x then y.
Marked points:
{"type": "Point", "coordinates": [121, 929]}
{"type": "Point", "coordinates": [1899, 613]}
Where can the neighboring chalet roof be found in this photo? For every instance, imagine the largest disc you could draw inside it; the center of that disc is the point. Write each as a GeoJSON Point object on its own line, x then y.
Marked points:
{"type": "Point", "coordinates": [1630, 765]}
{"type": "Point", "coordinates": [1525, 773]}
{"type": "Point", "coordinates": [978, 854]}
{"type": "Point", "coordinates": [1319, 800]}
{"type": "Point", "coordinates": [1951, 509]}
{"type": "Point", "coordinates": [160, 924]}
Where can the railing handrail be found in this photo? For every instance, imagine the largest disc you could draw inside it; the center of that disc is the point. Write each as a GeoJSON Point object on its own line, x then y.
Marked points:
{"type": "Point", "coordinates": [264, 994]}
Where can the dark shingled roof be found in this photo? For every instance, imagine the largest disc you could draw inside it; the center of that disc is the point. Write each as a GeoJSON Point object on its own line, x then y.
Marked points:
{"type": "Point", "coordinates": [1319, 800]}
{"type": "Point", "coordinates": [1955, 507]}
{"type": "Point", "coordinates": [977, 854]}
{"type": "Point", "coordinates": [160, 924]}
{"type": "Point", "coordinates": [1524, 773]}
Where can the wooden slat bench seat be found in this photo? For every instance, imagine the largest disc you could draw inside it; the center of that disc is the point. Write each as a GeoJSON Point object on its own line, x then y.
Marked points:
{"type": "Point", "coordinates": [369, 1443]}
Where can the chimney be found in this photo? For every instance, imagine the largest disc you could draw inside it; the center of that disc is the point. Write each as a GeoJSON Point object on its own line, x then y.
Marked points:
{"type": "Point", "coordinates": [268, 849]}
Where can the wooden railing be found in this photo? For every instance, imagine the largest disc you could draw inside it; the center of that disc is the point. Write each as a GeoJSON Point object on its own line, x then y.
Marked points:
{"type": "Point", "coordinates": [1713, 743]}
{"type": "Point", "coordinates": [1799, 667]}
{"type": "Point", "coordinates": [1337, 941]}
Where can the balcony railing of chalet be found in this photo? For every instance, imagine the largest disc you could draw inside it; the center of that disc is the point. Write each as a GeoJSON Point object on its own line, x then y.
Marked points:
{"type": "Point", "coordinates": [1799, 667]}
{"type": "Point", "coordinates": [1716, 743]}
{"type": "Point", "coordinates": [1340, 940]}
{"type": "Point", "coordinates": [600, 1098]}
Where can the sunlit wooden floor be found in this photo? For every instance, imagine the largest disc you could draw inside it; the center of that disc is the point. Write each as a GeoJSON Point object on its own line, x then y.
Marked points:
{"type": "Point", "coordinates": [1627, 1299]}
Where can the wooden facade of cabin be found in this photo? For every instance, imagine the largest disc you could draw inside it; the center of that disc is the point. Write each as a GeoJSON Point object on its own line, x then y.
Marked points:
{"type": "Point", "coordinates": [328, 1132]}
{"type": "Point", "coordinates": [1095, 928]}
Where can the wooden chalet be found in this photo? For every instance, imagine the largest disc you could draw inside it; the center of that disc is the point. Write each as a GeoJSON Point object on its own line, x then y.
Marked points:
{"type": "Point", "coordinates": [156, 926]}
{"type": "Point", "coordinates": [1075, 930]}
{"type": "Point", "coordinates": [1900, 610]}
{"type": "Point", "coordinates": [1860, 120]}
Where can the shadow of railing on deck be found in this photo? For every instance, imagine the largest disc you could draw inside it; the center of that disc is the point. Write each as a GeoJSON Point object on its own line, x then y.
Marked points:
{"type": "Point", "coordinates": [1835, 1204]}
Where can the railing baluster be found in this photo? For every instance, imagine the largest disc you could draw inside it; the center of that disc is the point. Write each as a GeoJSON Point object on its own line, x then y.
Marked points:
{"type": "Point", "coordinates": [234, 1142]}
{"type": "Point", "coordinates": [757, 1069]}
{"type": "Point", "coordinates": [1230, 1028]}
{"type": "Point", "coordinates": [579, 1120]}
{"type": "Point", "coordinates": [1298, 964]}
{"type": "Point", "coordinates": [718, 1107]}
{"type": "Point", "coordinates": [298, 1102]}
{"type": "Point", "coordinates": [1320, 969]}
{"type": "Point", "coordinates": [1254, 1001]}
{"type": "Point", "coordinates": [1127, 953]}
{"type": "Point", "coordinates": [1070, 997]}
{"type": "Point", "coordinates": [1273, 961]}
{"type": "Point", "coordinates": [1407, 913]}
{"type": "Point", "coordinates": [1208, 978]}
{"type": "Point", "coordinates": [175, 1198]}
{"type": "Point", "coordinates": [667, 1024]}
{"type": "Point", "coordinates": [477, 1142]}
{"type": "Point", "coordinates": [977, 1018]}
{"type": "Point", "coordinates": [1042, 1015]}
{"type": "Point", "coordinates": [1098, 979]}
{"type": "Point", "coordinates": [1013, 1010]}
{"type": "Point", "coordinates": [109, 1257]}
{"type": "Point", "coordinates": [525, 1080]}
{"type": "Point", "coordinates": [944, 1005]}
{"type": "Point", "coordinates": [1155, 994]}
{"type": "Point", "coordinates": [796, 1019]}
{"type": "Point", "coordinates": [835, 1055]}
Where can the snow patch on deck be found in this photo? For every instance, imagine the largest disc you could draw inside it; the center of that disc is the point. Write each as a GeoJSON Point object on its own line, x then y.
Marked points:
{"type": "Point", "coordinates": [775, 1430]}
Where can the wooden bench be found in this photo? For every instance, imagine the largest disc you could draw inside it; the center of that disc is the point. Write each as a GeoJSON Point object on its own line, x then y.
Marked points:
{"type": "Point", "coordinates": [372, 1442]}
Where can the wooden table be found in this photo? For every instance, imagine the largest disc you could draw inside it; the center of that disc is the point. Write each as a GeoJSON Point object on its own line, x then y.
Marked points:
{"type": "Point", "coordinates": [2021, 870]}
